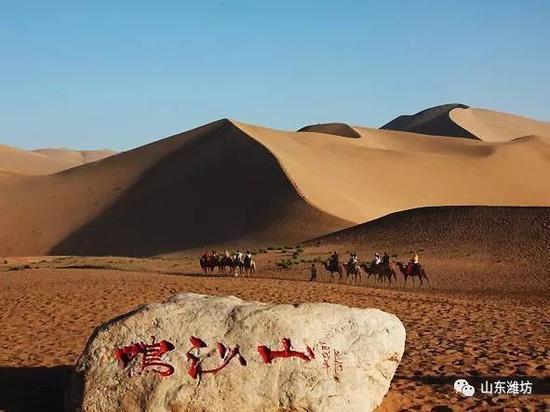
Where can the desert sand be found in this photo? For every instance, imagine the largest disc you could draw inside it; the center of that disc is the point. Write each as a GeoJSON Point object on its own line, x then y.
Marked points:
{"type": "Point", "coordinates": [452, 332]}
{"type": "Point", "coordinates": [476, 209]}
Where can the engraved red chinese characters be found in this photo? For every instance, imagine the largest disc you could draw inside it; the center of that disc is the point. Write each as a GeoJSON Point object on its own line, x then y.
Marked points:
{"type": "Point", "coordinates": [151, 356]}
{"type": "Point", "coordinates": [268, 355]}
{"type": "Point", "coordinates": [226, 354]}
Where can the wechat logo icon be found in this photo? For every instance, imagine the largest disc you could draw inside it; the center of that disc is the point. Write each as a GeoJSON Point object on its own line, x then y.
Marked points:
{"type": "Point", "coordinates": [464, 388]}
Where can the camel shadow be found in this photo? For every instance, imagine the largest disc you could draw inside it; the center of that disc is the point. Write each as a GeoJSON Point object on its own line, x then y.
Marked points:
{"type": "Point", "coordinates": [33, 388]}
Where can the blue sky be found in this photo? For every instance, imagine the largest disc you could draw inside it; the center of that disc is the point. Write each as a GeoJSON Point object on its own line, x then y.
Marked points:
{"type": "Point", "coordinates": [118, 74]}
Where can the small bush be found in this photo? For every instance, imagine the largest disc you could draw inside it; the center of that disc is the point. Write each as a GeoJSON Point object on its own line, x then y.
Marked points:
{"type": "Point", "coordinates": [284, 264]}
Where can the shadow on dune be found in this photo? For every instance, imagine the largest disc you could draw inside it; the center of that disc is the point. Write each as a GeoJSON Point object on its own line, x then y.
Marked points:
{"type": "Point", "coordinates": [337, 129]}
{"type": "Point", "coordinates": [33, 389]}
{"type": "Point", "coordinates": [217, 186]}
{"type": "Point", "coordinates": [433, 121]}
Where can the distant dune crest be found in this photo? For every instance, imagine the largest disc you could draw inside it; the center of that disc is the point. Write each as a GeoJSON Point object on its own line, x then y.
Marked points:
{"type": "Point", "coordinates": [338, 129]}
{"type": "Point", "coordinates": [459, 120]}
{"type": "Point", "coordinates": [432, 121]}
{"type": "Point", "coordinates": [46, 161]}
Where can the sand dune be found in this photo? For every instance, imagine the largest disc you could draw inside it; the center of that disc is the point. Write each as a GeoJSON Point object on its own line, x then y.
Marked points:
{"type": "Point", "coordinates": [458, 120]}
{"type": "Point", "coordinates": [210, 185]}
{"type": "Point", "coordinates": [432, 121]}
{"type": "Point", "coordinates": [338, 129]}
{"type": "Point", "coordinates": [29, 163]}
{"type": "Point", "coordinates": [45, 161]}
{"type": "Point", "coordinates": [229, 182]}
{"type": "Point", "coordinates": [383, 172]}
{"type": "Point", "coordinates": [526, 231]}
{"type": "Point", "coordinates": [500, 241]}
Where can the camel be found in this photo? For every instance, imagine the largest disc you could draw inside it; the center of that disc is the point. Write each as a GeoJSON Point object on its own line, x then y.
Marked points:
{"type": "Point", "coordinates": [224, 262]}
{"type": "Point", "coordinates": [234, 265]}
{"type": "Point", "coordinates": [332, 268]}
{"type": "Point", "coordinates": [354, 270]}
{"type": "Point", "coordinates": [208, 263]}
{"type": "Point", "coordinates": [249, 266]}
{"type": "Point", "coordinates": [384, 272]}
{"type": "Point", "coordinates": [417, 271]}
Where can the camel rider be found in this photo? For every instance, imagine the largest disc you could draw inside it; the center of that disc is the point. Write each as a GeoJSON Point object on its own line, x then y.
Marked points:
{"type": "Point", "coordinates": [377, 259]}
{"type": "Point", "coordinates": [334, 259]}
{"type": "Point", "coordinates": [386, 259]}
{"type": "Point", "coordinates": [248, 257]}
{"type": "Point", "coordinates": [413, 262]}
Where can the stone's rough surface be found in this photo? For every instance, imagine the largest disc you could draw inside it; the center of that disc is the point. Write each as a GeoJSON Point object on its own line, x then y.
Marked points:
{"type": "Point", "coordinates": [259, 357]}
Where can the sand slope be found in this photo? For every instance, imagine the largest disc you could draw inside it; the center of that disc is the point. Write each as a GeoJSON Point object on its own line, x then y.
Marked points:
{"type": "Point", "coordinates": [46, 161]}
{"type": "Point", "coordinates": [518, 235]}
{"type": "Point", "coordinates": [232, 183]}
{"type": "Point", "coordinates": [77, 157]}
{"type": "Point", "coordinates": [492, 126]}
{"type": "Point", "coordinates": [29, 163]}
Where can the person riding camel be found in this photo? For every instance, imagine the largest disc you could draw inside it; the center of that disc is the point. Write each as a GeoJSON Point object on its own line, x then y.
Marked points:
{"type": "Point", "coordinates": [334, 260]}
{"type": "Point", "coordinates": [248, 258]}
{"type": "Point", "coordinates": [413, 262]}
{"type": "Point", "coordinates": [386, 259]}
{"type": "Point", "coordinates": [238, 256]}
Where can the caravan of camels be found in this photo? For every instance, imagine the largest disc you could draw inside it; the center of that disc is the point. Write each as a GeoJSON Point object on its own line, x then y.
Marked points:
{"type": "Point", "coordinates": [380, 268]}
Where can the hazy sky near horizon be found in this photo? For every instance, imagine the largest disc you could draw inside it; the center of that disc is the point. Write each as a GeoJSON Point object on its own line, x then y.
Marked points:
{"type": "Point", "coordinates": [118, 74]}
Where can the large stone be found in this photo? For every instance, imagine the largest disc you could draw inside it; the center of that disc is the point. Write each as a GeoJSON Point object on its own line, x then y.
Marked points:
{"type": "Point", "coordinates": [336, 358]}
